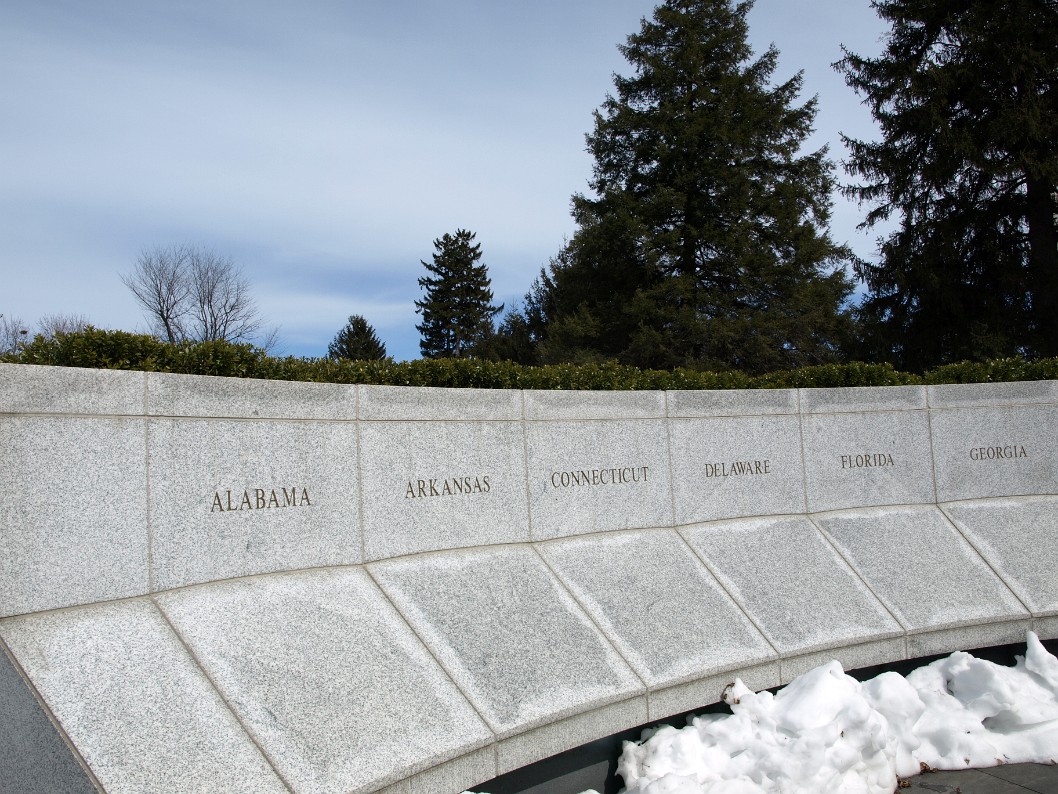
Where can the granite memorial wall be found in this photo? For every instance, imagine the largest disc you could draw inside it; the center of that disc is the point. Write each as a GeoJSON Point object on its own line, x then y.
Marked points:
{"type": "Point", "coordinates": [221, 584]}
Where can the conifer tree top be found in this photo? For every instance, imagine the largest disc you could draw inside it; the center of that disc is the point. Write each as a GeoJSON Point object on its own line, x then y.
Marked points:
{"type": "Point", "coordinates": [457, 308]}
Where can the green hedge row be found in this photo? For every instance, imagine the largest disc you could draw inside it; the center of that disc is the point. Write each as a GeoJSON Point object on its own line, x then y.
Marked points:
{"type": "Point", "coordinates": [121, 350]}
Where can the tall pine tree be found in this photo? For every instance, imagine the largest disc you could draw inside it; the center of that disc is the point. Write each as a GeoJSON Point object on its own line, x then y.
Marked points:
{"type": "Point", "coordinates": [705, 241]}
{"type": "Point", "coordinates": [357, 341]}
{"type": "Point", "coordinates": [966, 94]}
{"type": "Point", "coordinates": [457, 308]}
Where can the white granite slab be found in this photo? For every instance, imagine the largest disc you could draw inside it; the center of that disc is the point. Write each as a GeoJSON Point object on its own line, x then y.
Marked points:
{"type": "Point", "coordinates": [596, 475]}
{"type": "Point", "coordinates": [995, 451]}
{"type": "Point", "coordinates": [658, 605]}
{"type": "Point", "coordinates": [210, 396]}
{"type": "Point", "coordinates": [1046, 628]}
{"type": "Point", "coordinates": [327, 678]}
{"type": "Point", "coordinates": [736, 466]}
{"type": "Point", "coordinates": [1019, 539]}
{"type": "Point", "coordinates": [731, 402]}
{"type": "Point", "coordinates": [921, 568]}
{"type": "Point", "coordinates": [857, 399]}
{"type": "Point", "coordinates": [419, 403]}
{"type": "Point", "coordinates": [851, 657]}
{"type": "Point", "coordinates": [792, 583]}
{"type": "Point", "coordinates": [967, 638]}
{"type": "Point", "coordinates": [510, 636]}
{"type": "Point", "coordinates": [73, 511]}
{"type": "Point", "coordinates": [574, 405]}
{"type": "Point", "coordinates": [232, 498]}
{"type": "Point", "coordinates": [965, 395]}
{"type": "Point", "coordinates": [441, 485]}
{"type": "Point", "coordinates": [131, 699]}
{"type": "Point", "coordinates": [32, 389]}
{"type": "Point", "coordinates": [864, 459]}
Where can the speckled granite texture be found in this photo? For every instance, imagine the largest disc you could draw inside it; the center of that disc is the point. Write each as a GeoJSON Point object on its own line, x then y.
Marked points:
{"type": "Point", "coordinates": [217, 584]}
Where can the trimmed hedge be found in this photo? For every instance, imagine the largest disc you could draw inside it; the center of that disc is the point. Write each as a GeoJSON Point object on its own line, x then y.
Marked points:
{"type": "Point", "coordinates": [99, 349]}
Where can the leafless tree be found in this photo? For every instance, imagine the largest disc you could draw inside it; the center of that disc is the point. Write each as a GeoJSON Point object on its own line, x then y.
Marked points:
{"type": "Point", "coordinates": [51, 324]}
{"type": "Point", "coordinates": [13, 334]}
{"type": "Point", "coordinates": [195, 293]}
{"type": "Point", "coordinates": [160, 283]}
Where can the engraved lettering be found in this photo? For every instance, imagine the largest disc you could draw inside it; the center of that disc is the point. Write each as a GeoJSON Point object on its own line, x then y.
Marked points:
{"type": "Point", "coordinates": [259, 499]}
{"type": "Point", "coordinates": [1006, 452]}
{"type": "Point", "coordinates": [867, 460]}
{"type": "Point", "coordinates": [597, 477]}
{"type": "Point", "coordinates": [452, 486]}
{"type": "Point", "coordinates": [737, 468]}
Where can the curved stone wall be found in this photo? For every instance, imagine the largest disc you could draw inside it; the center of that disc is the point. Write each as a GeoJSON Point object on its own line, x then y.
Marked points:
{"type": "Point", "coordinates": [220, 584]}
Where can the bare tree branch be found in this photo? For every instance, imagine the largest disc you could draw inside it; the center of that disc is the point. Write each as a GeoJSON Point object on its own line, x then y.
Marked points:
{"type": "Point", "coordinates": [13, 334]}
{"type": "Point", "coordinates": [195, 293]}
{"type": "Point", "coordinates": [159, 282]}
{"type": "Point", "coordinates": [51, 324]}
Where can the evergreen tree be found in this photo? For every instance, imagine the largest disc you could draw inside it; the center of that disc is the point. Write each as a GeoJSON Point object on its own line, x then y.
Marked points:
{"type": "Point", "coordinates": [966, 94]}
{"type": "Point", "coordinates": [357, 341]}
{"type": "Point", "coordinates": [457, 308]}
{"type": "Point", "coordinates": [705, 243]}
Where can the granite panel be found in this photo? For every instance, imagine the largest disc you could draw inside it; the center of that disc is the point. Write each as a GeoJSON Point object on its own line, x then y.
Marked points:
{"type": "Point", "coordinates": [736, 466]}
{"type": "Point", "coordinates": [858, 399]}
{"type": "Point", "coordinates": [867, 459]}
{"type": "Point", "coordinates": [921, 568]}
{"type": "Point", "coordinates": [657, 604]}
{"type": "Point", "coordinates": [966, 638]}
{"type": "Point", "coordinates": [707, 691]}
{"type": "Point", "coordinates": [32, 389]}
{"type": "Point", "coordinates": [792, 583]}
{"type": "Point", "coordinates": [401, 403]}
{"type": "Point", "coordinates": [1019, 539]}
{"type": "Point", "coordinates": [595, 476]}
{"type": "Point", "coordinates": [73, 511]}
{"type": "Point", "coordinates": [965, 395]}
{"type": "Point", "coordinates": [509, 634]}
{"type": "Point", "coordinates": [998, 451]}
{"type": "Point", "coordinates": [1046, 628]}
{"type": "Point", "coordinates": [851, 657]}
{"type": "Point", "coordinates": [247, 398]}
{"type": "Point", "coordinates": [131, 699]}
{"type": "Point", "coordinates": [731, 402]}
{"type": "Point", "coordinates": [441, 485]}
{"type": "Point", "coordinates": [547, 740]}
{"type": "Point", "coordinates": [458, 774]}
{"type": "Point", "coordinates": [34, 757]}
{"type": "Point", "coordinates": [573, 405]}
{"type": "Point", "coordinates": [326, 677]}
{"type": "Point", "coordinates": [238, 497]}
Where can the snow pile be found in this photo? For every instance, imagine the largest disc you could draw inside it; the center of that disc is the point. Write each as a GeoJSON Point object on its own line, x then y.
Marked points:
{"type": "Point", "coordinates": [826, 732]}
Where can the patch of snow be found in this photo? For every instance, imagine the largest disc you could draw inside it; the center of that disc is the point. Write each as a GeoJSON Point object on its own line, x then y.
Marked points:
{"type": "Point", "coordinates": [826, 733]}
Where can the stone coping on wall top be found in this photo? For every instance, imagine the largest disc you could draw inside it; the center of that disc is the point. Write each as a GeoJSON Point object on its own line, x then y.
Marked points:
{"type": "Point", "coordinates": [38, 389]}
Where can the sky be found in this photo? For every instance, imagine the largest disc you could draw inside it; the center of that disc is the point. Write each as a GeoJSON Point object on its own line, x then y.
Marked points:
{"type": "Point", "coordinates": [325, 145]}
